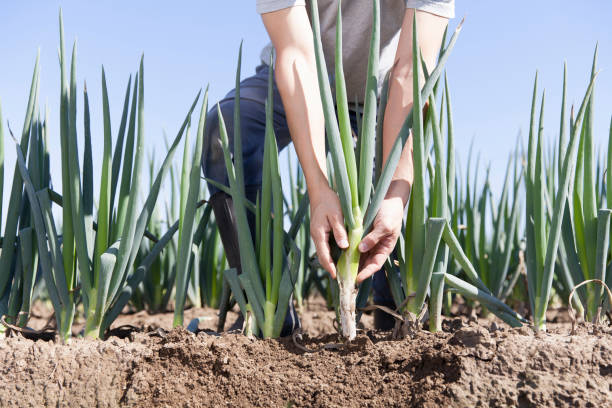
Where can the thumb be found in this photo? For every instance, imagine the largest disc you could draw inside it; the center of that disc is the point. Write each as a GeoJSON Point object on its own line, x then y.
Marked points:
{"type": "Point", "coordinates": [369, 241]}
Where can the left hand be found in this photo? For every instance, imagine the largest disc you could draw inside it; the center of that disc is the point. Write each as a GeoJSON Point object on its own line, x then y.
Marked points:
{"type": "Point", "coordinates": [380, 242]}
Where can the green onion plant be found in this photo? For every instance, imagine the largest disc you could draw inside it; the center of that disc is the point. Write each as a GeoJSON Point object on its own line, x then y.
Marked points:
{"type": "Point", "coordinates": [360, 201]}
{"type": "Point", "coordinates": [19, 258]}
{"type": "Point", "coordinates": [268, 269]}
{"type": "Point", "coordinates": [492, 227]}
{"type": "Point", "coordinates": [190, 192]}
{"type": "Point", "coordinates": [549, 218]}
{"type": "Point", "coordinates": [95, 257]}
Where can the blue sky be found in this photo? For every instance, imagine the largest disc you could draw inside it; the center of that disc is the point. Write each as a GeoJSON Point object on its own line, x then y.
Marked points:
{"type": "Point", "coordinates": [187, 46]}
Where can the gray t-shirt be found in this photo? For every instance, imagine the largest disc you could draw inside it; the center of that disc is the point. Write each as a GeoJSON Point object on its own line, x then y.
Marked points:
{"type": "Point", "coordinates": [356, 31]}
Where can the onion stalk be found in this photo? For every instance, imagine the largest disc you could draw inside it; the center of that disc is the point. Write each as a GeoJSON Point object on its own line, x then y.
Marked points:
{"type": "Point", "coordinates": [354, 188]}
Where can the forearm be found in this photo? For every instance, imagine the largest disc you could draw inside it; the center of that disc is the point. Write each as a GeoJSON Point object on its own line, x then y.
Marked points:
{"type": "Point", "coordinates": [297, 82]}
{"type": "Point", "coordinates": [399, 103]}
{"type": "Point", "coordinates": [298, 86]}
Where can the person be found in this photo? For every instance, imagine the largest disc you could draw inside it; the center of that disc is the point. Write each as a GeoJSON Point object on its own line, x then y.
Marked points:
{"type": "Point", "coordinates": [298, 118]}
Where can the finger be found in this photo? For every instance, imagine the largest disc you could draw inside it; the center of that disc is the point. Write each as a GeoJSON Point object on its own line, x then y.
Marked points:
{"type": "Point", "coordinates": [321, 239]}
{"type": "Point", "coordinates": [375, 259]}
{"type": "Point", "coordinates": [339, 231]}
{"type": "Point", "coordinates": [373, 264]}
{"type": "Point", "coordinates": [371, 240]}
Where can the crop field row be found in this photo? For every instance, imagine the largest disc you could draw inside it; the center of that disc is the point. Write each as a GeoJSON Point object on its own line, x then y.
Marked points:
{"type": "Point", "coordinates": [540, 246]}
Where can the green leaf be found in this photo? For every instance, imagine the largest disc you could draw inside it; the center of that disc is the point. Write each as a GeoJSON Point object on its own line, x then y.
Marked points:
{"type": "Point", "coordinates": [609, 166]}
{"type": "Point", "coordinates": [277, 201]}
{"type": "Point", "coordinates": [589, 193]}
{"type": "Point", "coordinates": [285, 290]}
{"type": "Point", "coordinates": [107, 263]}
{"type": "Point", "coordinates": [137, 277]}
{"type": "Point", "coordinates": [368, 129]}
{"type": "Point", "coordinates": [248, 259]}
{"type": "Point", "coordinates": [417, 195]}
{"type": "Point", "coordinates": [117, 154]}
{"type": "Point", "coordinates": [187, 226]}
{"type": "Point", "coordinates": [88, 187]}
{"type": "Point", "coordinates": [539, 202]}
{"type": "Point", "coordinates": [257, 307]}
{"type": "Point", "coordinates": [435, 228]}
{"type": "Point", "coordinates": [46, 226]}
{"type": "Point", "coordinates": [435, 301]}
{"type": "Point", "coordinates": [184, 181]}
{"type": "Point", "coordinates": [15, 295]}
{"type": "Point", "coordinates": [396, 150]}
{"type": "Point", "coordinates": [249, 205]}
{"type": "Point", "coordinates": [75, 197]}
{"type": "Point", "coordinates": [562, 125]}
{"type": "Point", "coordinates": [298, 218]}
{"type": "Point", "coordinates": [14, 208]}
{"type": "Point", "coordinates": [332, 131]}
{"type": "Point", "coordinates": [455, 247]}
{"type": "Point", "coordinates": [501, 273]}
{"type": "Point", "coordinates": [492, 303]}
{"type": "Point", "coordinates": [103, 236]}
{"type": "Point", "coordinates": [231, 277]}
{"type": "Point", "coordinates": [344, 121]}
{"type": "Point", "coordinates": [264, 213]}
{"type": "Point", "coordinates": [441, 210]}
{"type": "Point", "coordinates": [573, 262]}
{"type": "Point", "coordinates": [129, 237]}
{"type": "Point", "coordinates": [29, 262]}
{"type": "Point", "coordinates": [52, 271]}
{"type": "Point", "coordinates": [603, 244]}
{"type": "Point", "coordinates": [123, 261]}
{"type": "Point", "coordinates": [128, 161]}
{"type": "Point", "coordinates": [382, 107]}
{"type": "Point", "coordinates": [450, 156]}
{"type": "Point", "coordinates": [555, 229]}
{"type": "Point", "coordinates": [530, 255]}
{"type": "Point", "coordinates": [1, 165]}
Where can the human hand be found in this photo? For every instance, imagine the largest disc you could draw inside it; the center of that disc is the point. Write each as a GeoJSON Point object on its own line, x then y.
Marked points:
{"type": "Point", "coordinates": [325, 217]}
{"type": "Point", "coordinates": [380, 242]}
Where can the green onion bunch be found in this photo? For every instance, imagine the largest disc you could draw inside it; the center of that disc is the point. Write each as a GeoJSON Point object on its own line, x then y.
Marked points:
{"type": "Point", "coordinates": [563, 220]}
{"type": "Point", "coordinates": [270, 261]}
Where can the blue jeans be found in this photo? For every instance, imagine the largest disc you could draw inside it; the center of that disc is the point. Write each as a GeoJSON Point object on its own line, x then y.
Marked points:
{"type": "Point", "coordinates": [253, 94]}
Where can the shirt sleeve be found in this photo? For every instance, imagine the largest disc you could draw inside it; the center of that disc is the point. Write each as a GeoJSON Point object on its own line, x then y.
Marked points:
{"type": "Point", "coordinates": [444, 8]}
{"type": "Point", "coordinates": [268, 6]}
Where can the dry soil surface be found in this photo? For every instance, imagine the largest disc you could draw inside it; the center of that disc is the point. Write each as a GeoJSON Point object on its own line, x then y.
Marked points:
{"type": "Point", "coordinates": [468, 364]}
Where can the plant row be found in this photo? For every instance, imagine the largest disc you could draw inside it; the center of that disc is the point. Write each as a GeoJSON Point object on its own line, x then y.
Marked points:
{"type": "Point", "coordinates": [122, 247]}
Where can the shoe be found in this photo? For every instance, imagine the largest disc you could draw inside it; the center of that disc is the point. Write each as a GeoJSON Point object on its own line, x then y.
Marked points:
{"type": "Point", "coordinates": [383, 320]}
{"type": "Point", "coordinates": [237, 325]}
{"type": "Point", "coordinates": [291, 323]}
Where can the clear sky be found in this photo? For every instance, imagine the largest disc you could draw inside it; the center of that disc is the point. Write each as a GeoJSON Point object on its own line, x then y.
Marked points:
{"type": "Point", "coordinates": [189, 44]}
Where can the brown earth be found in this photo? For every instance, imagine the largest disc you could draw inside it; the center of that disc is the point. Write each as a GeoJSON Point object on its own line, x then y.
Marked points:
{"type": "Point", "coordinates": [468, 364]}
{"type": "Point", "coordinates": [316, 319]}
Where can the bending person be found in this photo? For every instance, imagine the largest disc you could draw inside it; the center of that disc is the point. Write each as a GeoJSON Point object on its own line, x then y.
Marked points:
{"type": "Point", "coordinates": [298, 118]}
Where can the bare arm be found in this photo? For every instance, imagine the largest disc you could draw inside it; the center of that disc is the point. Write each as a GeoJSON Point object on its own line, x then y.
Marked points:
{"type": "Point", "coordinates": [296, 78]}
{"type": "Point", "coordinates": [430, 32]}
{"type": "Point", "coordinates": [379, 243]}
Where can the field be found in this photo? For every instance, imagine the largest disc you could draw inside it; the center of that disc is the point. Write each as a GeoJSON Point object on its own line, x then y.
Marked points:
{"type": "Point", "coordinates": [116, 288]}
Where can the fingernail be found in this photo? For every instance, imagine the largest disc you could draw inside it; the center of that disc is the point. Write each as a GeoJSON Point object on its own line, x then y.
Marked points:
{"type": "Point", "coordinates": [363, 247]}
{"type": "Point", "coordinates": [343, 243]}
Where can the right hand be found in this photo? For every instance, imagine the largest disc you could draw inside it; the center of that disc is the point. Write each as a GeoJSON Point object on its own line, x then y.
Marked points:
{"type": "Point", "coordinates": [325, 218]}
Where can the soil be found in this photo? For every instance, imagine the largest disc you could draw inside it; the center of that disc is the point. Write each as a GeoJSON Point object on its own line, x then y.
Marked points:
{"type": "Point", "coordinates": [470, 363]}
